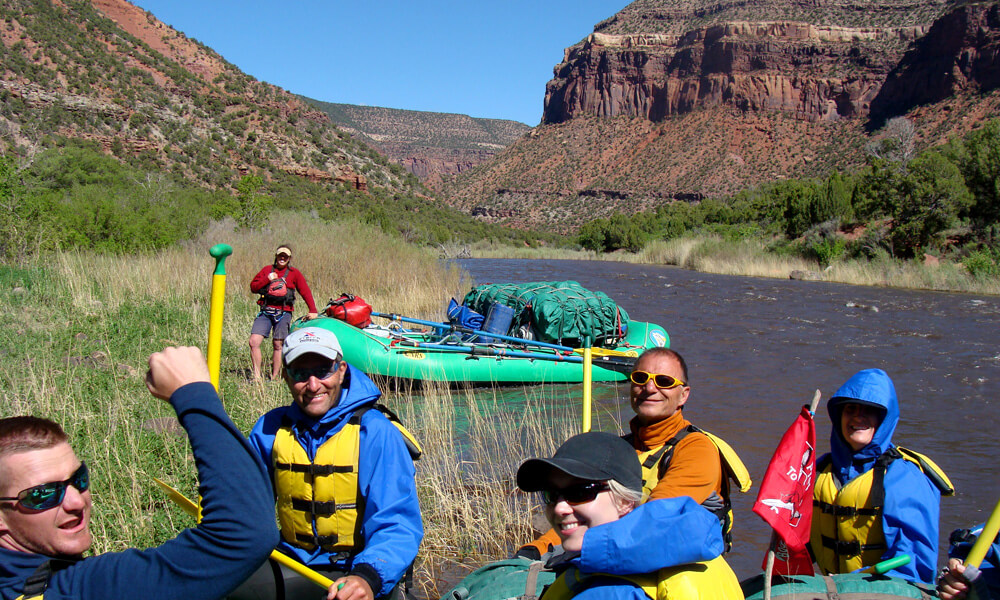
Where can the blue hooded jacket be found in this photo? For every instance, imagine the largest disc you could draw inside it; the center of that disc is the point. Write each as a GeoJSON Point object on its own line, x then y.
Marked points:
{"type": "Point", "coordinates": [391, 527]}
{"type": "Point", "coordinates": [910, 517]}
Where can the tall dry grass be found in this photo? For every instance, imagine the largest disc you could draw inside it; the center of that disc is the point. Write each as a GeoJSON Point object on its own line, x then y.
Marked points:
{"type": "Point", "coordinates": [81, 327]}
{"type": "Point", "coordinates": [473, 442]}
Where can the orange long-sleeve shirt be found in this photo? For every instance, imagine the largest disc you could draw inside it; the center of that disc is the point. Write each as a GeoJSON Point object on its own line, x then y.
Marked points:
{"type": "Point", "coordinates": [695, 469]}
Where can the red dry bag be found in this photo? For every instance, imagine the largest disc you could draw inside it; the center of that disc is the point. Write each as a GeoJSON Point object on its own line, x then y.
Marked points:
{"type": "Point", "coordinates": [350, 308]}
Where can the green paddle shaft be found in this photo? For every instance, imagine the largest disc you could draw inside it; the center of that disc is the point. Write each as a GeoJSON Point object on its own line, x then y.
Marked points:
{"type": "Point", "coordinates": [887, 565]}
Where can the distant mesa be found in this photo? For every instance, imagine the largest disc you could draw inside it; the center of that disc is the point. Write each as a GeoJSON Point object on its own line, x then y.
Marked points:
{"type": "Point", "coordinates": [425, 143]}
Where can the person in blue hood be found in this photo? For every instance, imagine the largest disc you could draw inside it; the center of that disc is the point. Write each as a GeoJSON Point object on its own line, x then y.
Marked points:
{"type": "Point", "coordinates": [342, 474]}
{"type": "Point", "coordinates": [872, 500]}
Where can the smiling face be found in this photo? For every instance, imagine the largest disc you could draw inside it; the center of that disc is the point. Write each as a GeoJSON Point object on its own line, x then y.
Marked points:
{"type": "Point", "coordinates": [858, 423]}
{"type": "Point", "coordinates": [63, 530]}
{"type": "Point", "coordinates": [316, 396]}
{"type": "Point", "coordinates": [571, 521]}
{"type": "Point", "coordinates": [650, 403]}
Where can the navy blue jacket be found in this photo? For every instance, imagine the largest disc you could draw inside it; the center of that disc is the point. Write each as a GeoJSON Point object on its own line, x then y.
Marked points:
{"type": "Point", "coordinates": [235, 536]}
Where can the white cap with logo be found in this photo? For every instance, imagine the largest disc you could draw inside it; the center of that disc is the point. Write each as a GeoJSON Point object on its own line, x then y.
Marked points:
{"type": "Point", "coordinates": [311, 340]}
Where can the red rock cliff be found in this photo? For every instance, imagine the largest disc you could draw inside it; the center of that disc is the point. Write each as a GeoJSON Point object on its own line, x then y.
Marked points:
{"type": "Point", "coordinates": [818, 73]}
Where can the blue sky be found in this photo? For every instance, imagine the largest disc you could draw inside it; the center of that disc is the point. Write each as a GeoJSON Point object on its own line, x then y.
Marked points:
{"type": "Point", "coordinates": [484, 59]}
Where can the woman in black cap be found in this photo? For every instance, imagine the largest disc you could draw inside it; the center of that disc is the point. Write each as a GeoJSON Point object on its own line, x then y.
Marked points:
{"type": "Point", "coordinates": [612, 547]}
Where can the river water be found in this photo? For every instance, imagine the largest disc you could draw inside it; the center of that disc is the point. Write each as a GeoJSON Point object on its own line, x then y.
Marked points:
{"type": "Point", "coordinates": [757, 349]}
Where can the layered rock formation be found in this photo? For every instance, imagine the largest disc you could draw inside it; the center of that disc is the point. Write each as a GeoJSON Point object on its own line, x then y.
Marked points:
{"type": "Point", "coordinates": [816, 73]}
{"type": "Point", "coordinates": [961, 52]}
{"type": "Point", "coordinates": [687, 99]}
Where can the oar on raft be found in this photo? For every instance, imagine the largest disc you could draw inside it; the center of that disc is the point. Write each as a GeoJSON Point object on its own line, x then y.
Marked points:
{"type": "Point", "coordinates": [607, 362]}
{"type": "Point", "coordinates": [506, 338]}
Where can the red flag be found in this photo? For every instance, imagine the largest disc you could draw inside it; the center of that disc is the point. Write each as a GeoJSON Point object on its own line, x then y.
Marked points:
{"type": "Point", "coordinates": [785, 497]}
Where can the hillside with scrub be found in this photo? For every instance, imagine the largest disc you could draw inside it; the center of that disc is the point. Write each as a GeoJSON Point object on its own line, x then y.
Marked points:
{"type": "Point", "coordinates": [87, 85]}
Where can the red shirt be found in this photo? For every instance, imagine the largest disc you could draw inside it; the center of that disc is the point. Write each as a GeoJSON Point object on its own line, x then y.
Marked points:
{"type": "Point", "coordinates": [293, 279]}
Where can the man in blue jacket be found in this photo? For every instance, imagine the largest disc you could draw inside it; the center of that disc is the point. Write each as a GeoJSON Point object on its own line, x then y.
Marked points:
{"type": "Point", "coordinates": [872, 500]}
{"type": "Point", "coordinates": [45, 506]}
{"type": "Point", "coordinates": [342, 475]}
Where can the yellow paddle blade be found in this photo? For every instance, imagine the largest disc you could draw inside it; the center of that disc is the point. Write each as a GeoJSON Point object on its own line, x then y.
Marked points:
{"type": "Point", "coordinates": [192, 509]}
{"type": "Point", "coordinates": [608, 352]}
{"type": "Point", "coordinates": [180, 499]}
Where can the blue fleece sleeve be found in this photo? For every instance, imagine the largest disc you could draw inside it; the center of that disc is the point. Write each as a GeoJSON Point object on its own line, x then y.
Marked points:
{"type": "Point", "coordinates": [262, 440]}
{"type": "Point", "coordinates": [235, 536]}
{"type": "Point", "coordinates": [678, 529]}
{"type": "Point", "coordinates": [910, 521]}
{"type": "Point", "coordinates": [392, 528]}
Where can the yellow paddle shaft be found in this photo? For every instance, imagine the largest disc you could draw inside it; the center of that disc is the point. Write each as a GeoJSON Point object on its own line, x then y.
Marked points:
{"type": "Point", "coordinates": [215, 327]}
{"type": "Point", "coordinates": [188, 506]}
{"type": "Point", "coordinates": [587, 377]}
{"type": "Point", "coordinates": [219, 252]}
{"type": "Point", "coordinates": [986, 537]}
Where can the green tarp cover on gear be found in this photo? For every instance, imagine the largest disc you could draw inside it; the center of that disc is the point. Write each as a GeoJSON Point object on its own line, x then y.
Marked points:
{"type": "Point", "coordinates": [560, 312]}
{"type": "Point", "coordinates": [846, 586]}
{"type": "Point", "coordinates": [510, 579]}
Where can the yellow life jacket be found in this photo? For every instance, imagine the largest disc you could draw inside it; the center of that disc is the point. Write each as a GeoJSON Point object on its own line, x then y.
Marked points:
{"type": "Point", "coordinates": [847, 520]}
{"type": "Point", "coordinates": [656, 462]}
{"type": "Point", "coordinates": [711, 580]}
{"type": "Point", "coordinates": [318, 503]}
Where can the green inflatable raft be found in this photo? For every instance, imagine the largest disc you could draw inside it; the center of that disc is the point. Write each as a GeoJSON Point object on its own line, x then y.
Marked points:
{"type": "Point", "coordinates": [525, 333]}
{"type": "Point", "coordinates": [847, 586]}
{"type": "Point", "coordinates": [393, 351]}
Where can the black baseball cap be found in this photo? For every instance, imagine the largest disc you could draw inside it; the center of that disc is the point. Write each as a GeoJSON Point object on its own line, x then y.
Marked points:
{"type": "Point", "coordinates": [594, 456]}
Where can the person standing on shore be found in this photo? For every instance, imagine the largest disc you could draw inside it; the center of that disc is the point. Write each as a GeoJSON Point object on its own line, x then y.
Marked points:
{"type": "Point", "coordinates": [277, 284]}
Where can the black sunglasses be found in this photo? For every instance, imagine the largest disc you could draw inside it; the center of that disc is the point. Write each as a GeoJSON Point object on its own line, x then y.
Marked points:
{"type": "Point", "coordinates": [575, 494]}
{"type": "Point", "coordinates": [50, 495]}
{"type": "Point", "coordinates": [664, 382]}
{"type": "Point", "coordinates": [303, 374]}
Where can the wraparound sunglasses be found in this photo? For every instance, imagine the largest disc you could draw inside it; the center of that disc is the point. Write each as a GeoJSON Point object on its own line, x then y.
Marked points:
{"type": "Point", "coordinates": [575, 494]}
{"type": "Point", "coordinates": [660, 380]}
{"type": "Point", "coordinates": [50, 495]}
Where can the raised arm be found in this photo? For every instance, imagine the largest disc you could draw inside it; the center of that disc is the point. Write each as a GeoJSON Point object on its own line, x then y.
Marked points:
{"type": "Point", "coordinates": [237, 531]}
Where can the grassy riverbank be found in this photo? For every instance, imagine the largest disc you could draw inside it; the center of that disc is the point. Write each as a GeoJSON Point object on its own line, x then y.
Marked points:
{"type": "Point", "coordinates": [81, 326]}
{"type": "Point", "coordinates": [752, 258]}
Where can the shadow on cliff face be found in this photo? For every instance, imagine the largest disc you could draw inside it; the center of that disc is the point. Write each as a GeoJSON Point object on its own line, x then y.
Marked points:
{"type": "Point", "coordinates": [961, 52]}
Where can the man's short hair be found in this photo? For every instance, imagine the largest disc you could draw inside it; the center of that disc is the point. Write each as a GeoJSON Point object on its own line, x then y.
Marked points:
{"type": "Point", "coordinates": [21, 434]}
{"type": "Point", "coordinates": [659, 352]}
{"type": "Point", "coordinates": [24, 434]}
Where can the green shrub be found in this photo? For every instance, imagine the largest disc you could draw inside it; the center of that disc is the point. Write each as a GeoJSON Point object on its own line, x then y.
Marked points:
{"type": "Point", "coordinates": [983, 263]}
{"type": "Point", "coordinates": [829, 250]}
